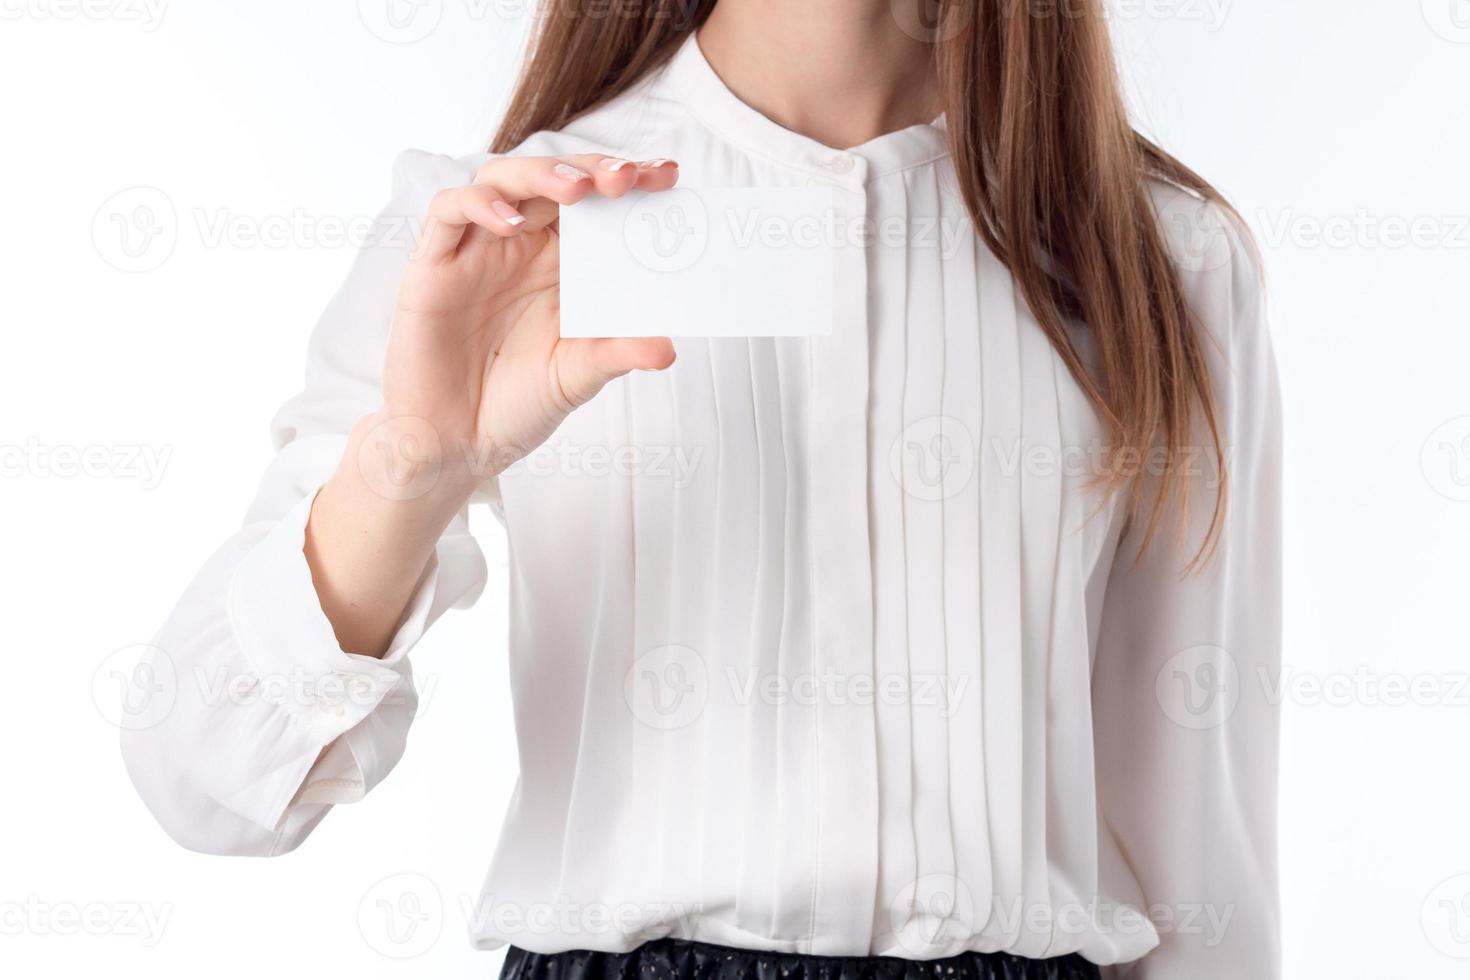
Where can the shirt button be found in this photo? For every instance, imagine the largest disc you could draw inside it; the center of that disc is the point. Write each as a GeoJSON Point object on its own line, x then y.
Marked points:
{"type": "Point", "coordinates": [841, 164]}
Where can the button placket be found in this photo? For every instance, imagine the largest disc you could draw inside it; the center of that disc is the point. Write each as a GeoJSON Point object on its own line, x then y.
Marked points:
{"type": "Point", "coordinates": [845, 735]}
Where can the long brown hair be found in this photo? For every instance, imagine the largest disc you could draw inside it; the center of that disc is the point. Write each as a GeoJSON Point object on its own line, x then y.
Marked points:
{"type": "Point", "coordinates": [1050, 169]}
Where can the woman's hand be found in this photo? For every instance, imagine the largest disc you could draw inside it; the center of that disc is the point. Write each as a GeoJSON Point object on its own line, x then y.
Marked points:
{"type": "Point", "coordinates": [476, 377]}
{"type": "Point", "coordinates": [474, 359]}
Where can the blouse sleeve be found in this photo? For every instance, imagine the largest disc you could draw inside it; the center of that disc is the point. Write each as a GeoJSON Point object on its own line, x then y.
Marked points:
{"type": "Point", "coordinates": [1186, 725]}
{"type": "Point", "coordinates": [256, 720]}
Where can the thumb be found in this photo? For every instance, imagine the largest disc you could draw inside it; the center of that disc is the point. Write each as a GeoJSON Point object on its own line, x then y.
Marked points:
{"type": "Point", "coordinates": [584, 365]}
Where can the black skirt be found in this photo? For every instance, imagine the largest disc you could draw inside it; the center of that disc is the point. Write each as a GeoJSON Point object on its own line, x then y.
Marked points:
{"type": "Point", "coordinates": [679, 959]}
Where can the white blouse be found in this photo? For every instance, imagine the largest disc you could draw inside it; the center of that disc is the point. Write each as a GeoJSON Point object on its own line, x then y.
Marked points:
{"type": "Point", "coordinates": [817, 644]}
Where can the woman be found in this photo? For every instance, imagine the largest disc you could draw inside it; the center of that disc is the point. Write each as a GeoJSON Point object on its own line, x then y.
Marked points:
{"type": "Point", "coordinates": [732, 758]}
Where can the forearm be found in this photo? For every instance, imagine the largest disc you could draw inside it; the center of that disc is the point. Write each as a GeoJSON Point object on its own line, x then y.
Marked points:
{"type": "Point", "coordinates": [368, 541]}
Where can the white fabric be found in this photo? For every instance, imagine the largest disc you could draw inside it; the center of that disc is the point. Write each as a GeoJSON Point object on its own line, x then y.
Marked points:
{"type": "Point", "coordinates": [763, 530]}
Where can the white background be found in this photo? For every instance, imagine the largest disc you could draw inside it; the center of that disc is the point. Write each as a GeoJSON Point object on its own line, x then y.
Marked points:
{"type": "Point", "coordinates": [1331, 123]}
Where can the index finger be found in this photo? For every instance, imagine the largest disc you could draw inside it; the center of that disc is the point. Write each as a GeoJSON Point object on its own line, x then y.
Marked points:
{"type": "Point", "coordinates": [568, 179]}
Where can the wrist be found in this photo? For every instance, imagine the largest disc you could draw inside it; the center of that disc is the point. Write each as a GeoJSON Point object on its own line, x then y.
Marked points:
{"type": "Point", "coordinates": [373, 529]}
{"type": "Point", "coordinates": [408, 470]}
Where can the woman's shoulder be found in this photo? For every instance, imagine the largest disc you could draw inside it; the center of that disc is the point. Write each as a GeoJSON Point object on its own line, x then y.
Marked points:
{"type": "Point", "coordinates": [633, 122]}
{"type": "Point", "coordinates": [1204, 236]}
{"type": "Point", "coordinates": [1219, 263]}
{"type": "Point", "coordinates": [420, 174]}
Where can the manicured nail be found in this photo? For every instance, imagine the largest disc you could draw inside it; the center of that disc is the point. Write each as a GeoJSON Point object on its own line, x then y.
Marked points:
{"type": "Point", "coordinates": [614, 164]}
{"type": "Point", "coordinates": [568, 172]}
{"type": "Point", "coordinates": [655, 164]}
{"type": "Point", "coordinates": [507, 213]}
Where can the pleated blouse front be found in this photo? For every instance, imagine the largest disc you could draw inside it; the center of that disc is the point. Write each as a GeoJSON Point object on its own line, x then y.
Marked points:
{"type": "Point", "coordinates": [821, 645]}
{"type": "Point", "coordinates": [813, 668]}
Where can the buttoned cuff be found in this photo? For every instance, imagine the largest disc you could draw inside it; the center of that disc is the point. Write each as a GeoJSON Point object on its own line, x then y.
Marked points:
{"type": "Point", "coordinates": [289, 644]}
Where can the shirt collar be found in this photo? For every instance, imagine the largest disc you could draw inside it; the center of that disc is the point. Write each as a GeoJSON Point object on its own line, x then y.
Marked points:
{"type": "Point", "coordinates": [690, 80]}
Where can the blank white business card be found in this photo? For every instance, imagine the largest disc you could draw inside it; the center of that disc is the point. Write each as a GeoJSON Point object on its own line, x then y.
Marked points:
{"type": "Point", "coordinates": [700, 262]}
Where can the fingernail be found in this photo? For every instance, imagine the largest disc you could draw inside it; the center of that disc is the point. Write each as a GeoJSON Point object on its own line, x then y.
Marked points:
{"type": "Point", "coordinates": [655, 164]}
{"type": "Point", "coordinates": [613, 163]}
{"type": "Point", "coordinates": [509, 214]}
{"type": "Point", "coordinates": [568, 172]}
